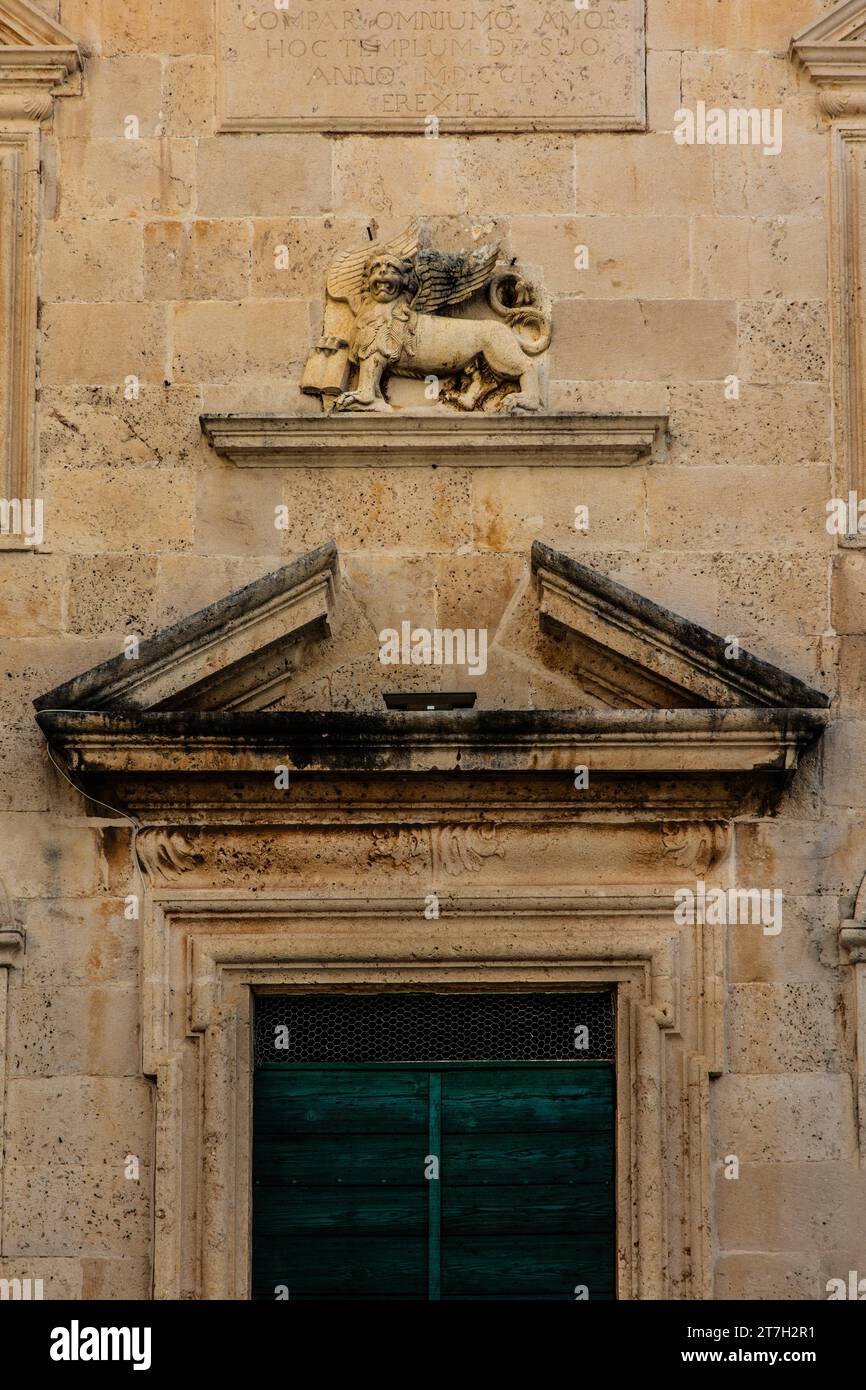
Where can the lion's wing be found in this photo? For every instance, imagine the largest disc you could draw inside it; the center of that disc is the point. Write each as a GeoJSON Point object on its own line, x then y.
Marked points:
{"type": "Point", "coordinates": [345, 279]}
{"type": "Point", "coordinates": [446, 279]}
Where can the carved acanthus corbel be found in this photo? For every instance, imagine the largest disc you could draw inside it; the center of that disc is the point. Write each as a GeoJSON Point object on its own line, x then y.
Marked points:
{"type": "Point", "coordinates": [459, 849]}
{"type": "Point", "coordinates": [165, 854]}
{"type": "Point", "coordinates": [696, 845]}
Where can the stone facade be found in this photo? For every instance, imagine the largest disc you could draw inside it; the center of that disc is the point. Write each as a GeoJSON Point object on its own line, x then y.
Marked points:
{"type": "Point", "coordinates": [649, 553]}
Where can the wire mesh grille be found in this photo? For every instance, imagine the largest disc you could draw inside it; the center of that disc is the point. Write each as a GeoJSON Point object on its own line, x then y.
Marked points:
{"type": "Point", "coordinates": [434, 1028]}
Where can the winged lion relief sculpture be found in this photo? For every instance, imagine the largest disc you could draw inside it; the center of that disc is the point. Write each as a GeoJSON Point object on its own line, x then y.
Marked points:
{"type": "Point", "coordinates": [469, 324]}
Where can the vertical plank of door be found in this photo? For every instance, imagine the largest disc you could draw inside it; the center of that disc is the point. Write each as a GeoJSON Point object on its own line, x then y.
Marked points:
{"type": "Point", "coordinates": [434, 1187]}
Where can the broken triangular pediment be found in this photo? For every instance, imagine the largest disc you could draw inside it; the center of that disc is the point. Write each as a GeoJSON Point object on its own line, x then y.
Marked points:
{"type": "Point", "coordinates": [582, 672]}
{"type": "Point", "coordinates": [833, 48]}
{"type": "Point", "coordinates": [630, 653]}
{"type": "Point", "coordinates": [597, 644]}
{"type": "Point", "coordinates": [238, 653]}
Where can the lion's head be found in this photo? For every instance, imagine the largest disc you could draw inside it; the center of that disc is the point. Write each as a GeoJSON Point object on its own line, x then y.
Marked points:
{"type": "Point", "coordinates": [387, 277]}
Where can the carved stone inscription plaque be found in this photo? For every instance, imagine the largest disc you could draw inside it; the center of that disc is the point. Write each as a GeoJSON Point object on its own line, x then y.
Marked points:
{"type": "Point", "coordinates": [395, 65]}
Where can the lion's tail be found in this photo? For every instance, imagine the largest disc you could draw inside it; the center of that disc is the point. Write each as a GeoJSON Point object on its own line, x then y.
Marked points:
{"type": "Point", "coordinates": [531, 329]}
{"type": "Point", "coordinates": [509, 296]}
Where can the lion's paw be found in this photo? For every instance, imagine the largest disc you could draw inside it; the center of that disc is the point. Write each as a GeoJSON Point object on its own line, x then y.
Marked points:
{"type": "Point", "coordinates": [519, 401]}
{"type": "Point", "coordinates": [351, 400]}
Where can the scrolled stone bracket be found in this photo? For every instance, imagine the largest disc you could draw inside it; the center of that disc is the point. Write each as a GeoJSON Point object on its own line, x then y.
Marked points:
{"type": "Point", "coordinates": [834, 103]}
{"type": "Point", "coordinates": [32, 105]}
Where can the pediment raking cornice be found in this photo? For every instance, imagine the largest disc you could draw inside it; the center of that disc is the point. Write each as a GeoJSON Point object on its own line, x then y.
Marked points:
{"type": "Point", "coordinates": [25, 26]}
{"type": "Point", "coordinates": [633, 653]}
{"type": "Point", "coordinates": [231, 654]}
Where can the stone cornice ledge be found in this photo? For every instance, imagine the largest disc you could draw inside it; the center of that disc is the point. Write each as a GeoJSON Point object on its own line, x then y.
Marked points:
{"type": "Point", "coordinates": [30, 79]}
{"type": "Point", "coordinates": [500, 742]}
{"type": "Point", "coordinates": [337, 441]}
{"type": "Point", "coordinates": [833, 52]}
{"type": "Point", "coordinates": [831, 65]}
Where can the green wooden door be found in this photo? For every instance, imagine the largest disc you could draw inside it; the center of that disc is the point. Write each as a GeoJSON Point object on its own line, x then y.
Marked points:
{"type": "Point", "coordinates": [347, 1202]}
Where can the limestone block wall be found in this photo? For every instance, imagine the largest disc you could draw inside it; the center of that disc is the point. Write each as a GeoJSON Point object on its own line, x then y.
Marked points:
{"type": "Point", "coordinates": [156, 263]}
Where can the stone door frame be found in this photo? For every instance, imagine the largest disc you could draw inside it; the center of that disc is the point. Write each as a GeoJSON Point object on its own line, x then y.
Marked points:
{"type": "Point", "coordinates": [206, 953]}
